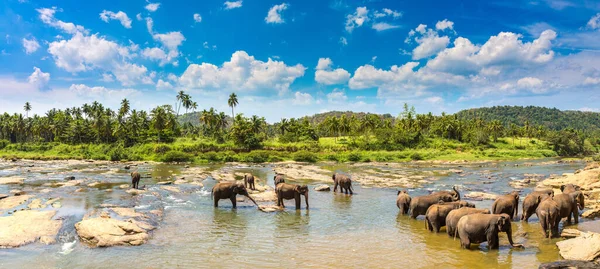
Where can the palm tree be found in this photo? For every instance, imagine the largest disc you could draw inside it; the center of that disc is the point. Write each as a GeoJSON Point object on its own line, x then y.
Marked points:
{"type": "Point", "coordinates": [27, 108]}
{"type": "Point", "coordinates": [495, 128]}
{"type": "Point", "coordinates": [124, 108]}
{"type": "Point", "coordinates": [180, 96]}
{"type": "Point", "coordinates": [232, 102]}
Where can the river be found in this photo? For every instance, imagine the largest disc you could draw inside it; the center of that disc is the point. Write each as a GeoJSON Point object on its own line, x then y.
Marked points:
{"type": "Point", "coordinates": [360, 231]}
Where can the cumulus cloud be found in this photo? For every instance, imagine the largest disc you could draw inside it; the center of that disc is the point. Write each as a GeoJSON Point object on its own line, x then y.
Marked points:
{"type": "Point", "coordinates": [443, 25]}
{"type": "Point", "coordinates": [434, 100]}
{"type": "Point", "coordinates": [170, 50]}
{"type": "Point", "coordinates": [120, 16]}
{"type": "Point", "coordinates": [197, 17]}
{"type": "Point", "coordinates": [30, 45]}
{"type": "Point", "coordinates": [594, 22]}
{"type": "Point", "coordinates": [47, 17]}
{"type": "Point", "coordinates": [38, 78]}
{"type": "Point", "coordinates": [357, 19]}
{"type": "Point", "coordinates": [232, 4]}
{"type": "Point", "coordinates": [242, 72]}
{"type": "Point", "coordinates": [161, 85]}
{"type": "Point", "coordinates": [387, 12]}
{"type": "Point", "coordinates": [337, 96]}
{"type": "Point", "coordinates": [160, 55]}
{"type": "Point", "coordinates": [302, 98]}
{"type": "Point", "coordinates": [326, 75]}
{"type": "Point", "coordinates": [430, 43]}
{"type": "Point", "coordinates": [274, 14]}
{"type": "Point", "coordinates": [152, 7]}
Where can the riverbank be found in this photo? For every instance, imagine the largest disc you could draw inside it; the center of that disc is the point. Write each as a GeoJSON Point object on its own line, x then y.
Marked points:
{"type": "Point", "coordinates": [199, 152]}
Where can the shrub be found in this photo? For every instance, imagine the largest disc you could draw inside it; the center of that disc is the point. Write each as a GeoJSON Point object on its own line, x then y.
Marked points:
{"type": "Point", "coordinates": [3, 143]}
{"type": "Point", "coordinates": [354, 157]}
{"type": "Point", "coordinates": [305, 156]}
{"type": "Point", "coordinates": [211, 156]}
{"type": "Point", "coordinates": [231, 157]}
{"type": "Point", "coordinates": [176, 156]}
{"type": "Point", "coordinates": [257, 156]}
{"type": "Point", "coordinates": [117, 154]}
{"type": "Point", "coordinates": [161, 149]}
{"type": "Point", "coordinates": [416, 156]}
{"type": "Point", "coordinates": [332, 157]}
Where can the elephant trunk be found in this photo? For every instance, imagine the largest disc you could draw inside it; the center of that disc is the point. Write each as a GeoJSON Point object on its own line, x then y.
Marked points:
{"type": "Point", "coordinates": [509, 235]}
{"type": "Point", "coordinates": [457, 194]}
{"type": "Point", "coordinates": [581, 202]}
{"type": "Point", "coordinates": [306, 199]}
{"type": "Point", "coordinates": [251, 199]}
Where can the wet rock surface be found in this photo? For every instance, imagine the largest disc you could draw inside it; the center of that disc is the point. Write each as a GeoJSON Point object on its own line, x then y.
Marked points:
{"type": "Point", "coordinates": [585, 247]}
{"type": "Point", "coordinates": [25, 227]}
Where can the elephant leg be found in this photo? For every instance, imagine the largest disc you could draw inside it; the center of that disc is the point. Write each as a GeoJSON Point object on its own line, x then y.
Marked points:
{"type": "Point", "coordinates": [233, 201]}
{"type": "Point", "coordinates": [576, 214]}
{"type": "Point", "coordinates": [350, 189]}
{"type": "Point", "coordinates": [465, 243]}
{"type": "Point", "coordinates": [346, 190]}
{"type": "Point", "coordinates": [544, 227]}
{"type": "Point", "coordinates": [216, 200]}
{"type": "Point", "coordinates": [335, 187]}
{"type": "Point", "coordinates": [436, 227]}
{"type": "Point", "coordinates": [298, 202]}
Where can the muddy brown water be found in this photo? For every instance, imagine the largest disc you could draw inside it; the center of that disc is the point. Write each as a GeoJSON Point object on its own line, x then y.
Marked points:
{"type": "Point", "coordinates": [361, 231]}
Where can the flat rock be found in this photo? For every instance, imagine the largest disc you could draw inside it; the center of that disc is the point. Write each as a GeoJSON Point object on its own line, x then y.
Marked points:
{"type": "Point", "coordinates": [270, 208]}
{"type": "Point", "coordinates": [481, 196]}
{"type": "Point", "coordinates": [11, 180]}
{"type": "Point", "coordinates": [323, 187]}
{"type": "Point", "coordinates": [180, 181]}
{"type": "Point", "coordinates": [25, 227]}
{"type": "Point", "coordinates": [568, 264]}
{"type": "Point", "coordinates": [93, 184]}
{"type": "Point", "coordinates": [171, 189]}
{"type": "Point", "coordinates": [108, 232]}
{"type": "Point", "coordinates": [570, 233]}
{"type": "Point", "coordinates": [36, 204]}
{"type": "Point", "coordinates": [124, 186]}
{"type": "Point", "coordinates": [164, 183]}
{"type": "Point", "coordinates": [135, 191]}
{"type": "Point", "coordinates": [45, 191]}
{"type": "Point", "coordinates": [126, 212]}
{"type": "Point", "coordinates": [583, 248]}
{"type": "Point", "coordinates": [591, 213]}
{"type": "Point", "coordinates": [13, 201]}
{"type": "Point", "coordinates": [266, 196]}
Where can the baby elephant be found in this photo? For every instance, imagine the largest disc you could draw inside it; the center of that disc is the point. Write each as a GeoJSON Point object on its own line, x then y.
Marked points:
{"type": "Point", "coordinates": [479, 228]}
{"type": "Point", "coordinates": [278, 178]}
{"type": "Point", "coordinates": [435, 217]}
{"type": "Point", "coordinates": [403, 202]}
{"type": "Point", "coordinates": [289, 191]}
{"type": "Point", "coordinates": [455, 215]}
{"type": "Point", "coordinates": [229, 190]}
{"type": "Point", "coordinates": [343, 181]}
{"type": "Point", "coordinates": [508, 204]}
{"type": "Point", "coordinates": [249, 181]}
{"type": "Point", "coordinates": [135, 179]}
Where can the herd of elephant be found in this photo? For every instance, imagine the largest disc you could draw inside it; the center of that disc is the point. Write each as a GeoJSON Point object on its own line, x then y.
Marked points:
{"type": "Point", "coordinates": [442, 208]}
{"type": "Point", "coordinates": [475, 226]}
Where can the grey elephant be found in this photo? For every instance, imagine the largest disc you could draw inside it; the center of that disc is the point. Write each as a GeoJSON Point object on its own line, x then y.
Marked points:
{"type": "Point", "coordinates": [569, 205]}
{"type": "Point", "coordinates": [249, 181]}
{"type": "Point", "coordinates": [420, 204]}
{"type": "Point", "coordinates": [455, 215]}
{"type": "Point", "coordinates": [531, 202]}
{"type": "Point", "coordinates": [508, 204]}
{"type": "Point", "coordinates": [403, 202]}
{"type": "Point", "coordinates": [135, 179]}
{"type": "Point", "coordinates": [568, 188]}
{"type": "Point", "coordinates": [229, 190]}
{"type": "Point", "coordinates": [435, 217]}
{"type": "Point", "coordinates": [343, 181]}
{"type": "Point", "coordinates": [549, 215]}
{"type": "Point", "coordinates": [479, 228]}
{"type": "Point", "coordinates": [286, 191]}
{"type": "Point", "coordinates": [278, 178]}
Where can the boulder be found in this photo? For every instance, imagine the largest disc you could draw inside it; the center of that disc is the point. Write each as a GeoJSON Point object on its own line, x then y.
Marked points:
{"type": "Point", "coordinates": [108, 232]}
{"type": "Point", "coordinates": [124, 186]}
{"type": "Point", "coordinates": [570, 233]}
{"type": "Point", "coordinates": [591, 213]}
{"type": "Point", "coordinates": [13, 201]}
{"type": "Point", "coordinates": [583, 248]}
{"type": "Point", "coordinates": [323, 187]}
{"type": "Point", "coordinates": [17, 192]}
{"type": "Point", "coordinates": [69, 178]}
{"type": "Point", "coordinates": [27, 226]}
{"type": "Point", "coordinates": [11, 180]}
{"type": "Point", "coordinates": [568, 264]}
{"type": "Point", "coordinates": [476, 195]}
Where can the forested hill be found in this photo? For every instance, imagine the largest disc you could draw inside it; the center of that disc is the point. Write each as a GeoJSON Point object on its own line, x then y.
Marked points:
{"type": "Point", "coordinates": [318, 118]}
{"type": "Point", "coordinates": [551, 118]}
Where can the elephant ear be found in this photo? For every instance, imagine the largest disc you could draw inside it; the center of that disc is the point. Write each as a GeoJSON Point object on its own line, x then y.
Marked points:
{"type": "Point", "coordinates": [297, 188]}
{"type": "Point", "coordinates": [501, 222]}
{"type": "Point", "coordinates": [562, 188]}
{"type": "Point", "coordinates": [399, 192]}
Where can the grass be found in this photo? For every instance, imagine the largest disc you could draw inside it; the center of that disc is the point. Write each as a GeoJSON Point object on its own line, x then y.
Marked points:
{"type": "Point", "coordinates": [326, 149]}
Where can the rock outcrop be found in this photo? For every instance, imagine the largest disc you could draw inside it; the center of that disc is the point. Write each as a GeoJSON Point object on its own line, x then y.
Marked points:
{"type": "Point", "coordinates": [25, 227]}
{"type": "Point", "coordinates": [475, 195]}
{"type": "Point", "coordinates": [582, 248]}
{"type": "Point", "coordinates": [108, 232]}
{"type": "Point", "coordinates": [11, 180]}
{"type": "Point", "coordinates": [13, 201]}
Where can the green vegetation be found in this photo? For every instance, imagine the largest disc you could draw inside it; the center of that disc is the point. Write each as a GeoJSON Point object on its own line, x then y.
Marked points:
{"type": "Point", "coordinates": [95, 132]}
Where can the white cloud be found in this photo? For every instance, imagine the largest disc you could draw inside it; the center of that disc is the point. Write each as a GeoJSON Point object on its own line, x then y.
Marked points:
{"type": "Point", "coordinates": [233, 4]}
{"type": "Point", "coordinates": [327, 76]}
{"type": "Point", "coordinates": [443, 25]}
{"type": "Point", "coordinates": [47, 17]}
{"type": "Point", "coordinates": [152, 7]}
{"type": "Point", "coordinates": [197, 17]}
{"type": "Point", "coordinates": [121, 16]}
{"type": "Point", "coordinates": [343, 41]}
{"type": "Point", "coordinates": [367, 76]}
{"type": "Point", "coordinates": [530, 83]}
{"type": "Point", "coordinates": [588, 109]}
{"type": "Point", "coordinates": [139, 16]}
{"type": "Point", "coordinates": [430, 43]}
{"type": "Point", "coordinates": [170, 51]}
{"type": "Point", "coordinates": [434, 100]}
{"type": "Point", "coordinates": [559, 4]}
{"type": "Point", "coordinates": [107, 77]}
{"type": "Point", "coordinates": [388, 12]}
{"type": "Point", "coordinates": [594, 22]}
{"type": "Point", "coordinates": [242, 72]}
{"type": "Point", "coordinates": [39, 78]}
{"type": "Point", "coordinates": [149, 24]}
{"type": "Point", "coordinates": [591, 81]}
{"type": "Point", "coordinates": [357, 19]}
{"type": "Point", "coordinates": [337, 96]}
{"type": "Point", "coordinates": [158, 54]}
{"type": "Point", "coordinates": [171, 40]}
{"type": "Point", "coordinates": [302, 98]}
{"type": "Point", "coordinates": [161, 84]}
{"type": "Point", "coordinates": [30, 45]}
{"type": "Point", "coordinates": [274, 14]}
{"type": "Point", "coordinates": [382, 26]}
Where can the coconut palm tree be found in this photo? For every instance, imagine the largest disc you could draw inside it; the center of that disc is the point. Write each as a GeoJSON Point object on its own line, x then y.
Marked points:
{"type": "Point", "coordinates": [232, 102]}
{"type": "Point", "coordinates": [27, 108]}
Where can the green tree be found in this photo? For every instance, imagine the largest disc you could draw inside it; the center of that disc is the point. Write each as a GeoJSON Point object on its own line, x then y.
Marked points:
{"type": "Point", "coordinates": [232, 102]}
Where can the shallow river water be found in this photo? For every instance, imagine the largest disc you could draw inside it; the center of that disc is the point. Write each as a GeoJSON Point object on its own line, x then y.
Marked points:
{"type": "Point", "coordinates": [360, 231]}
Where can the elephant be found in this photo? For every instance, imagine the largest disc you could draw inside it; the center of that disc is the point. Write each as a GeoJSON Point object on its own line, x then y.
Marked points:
{"type": "Point", "coordinates": [435, 217]}
{"type": "Point", "coordinates": [229, 190]}
{"type": "Point", "coordinates": [568, 188]}
{"type": "Point", "coordinates": [403, 202]}
{"type": "Point", "coordinates": [290, 191]}
{"type": "Point", "coordinates": [135, 179]}
{"type": "Point", "coordinates": [531, 202]}
{"type": "Point", "coordinates": [455, 215]}
{"type": "Point", "coordinates": [479, 228]}
{"type": "Point", "coordinates": [508, 204]}
{"type": "Point", "coordinates": [343, 181]}
{"type": "Point", "coordinates": [549, 215]}
{"type": "Point", "coordinates": [420, 204]}
{"type": "Point", "coordinates": [249, 180]}
{"type": "Point", "coordinates": [568, 204]}
{"type": "Point", "coordinates": [278, 178]}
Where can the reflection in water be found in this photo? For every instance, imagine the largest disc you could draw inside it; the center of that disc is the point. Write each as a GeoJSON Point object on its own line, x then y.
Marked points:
{"type": "Point", "coordinates": [360, 231]}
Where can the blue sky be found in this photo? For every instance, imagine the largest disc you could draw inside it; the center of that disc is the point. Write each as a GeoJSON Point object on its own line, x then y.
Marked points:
{"type": "Point", "coordinates": [293, 58]}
